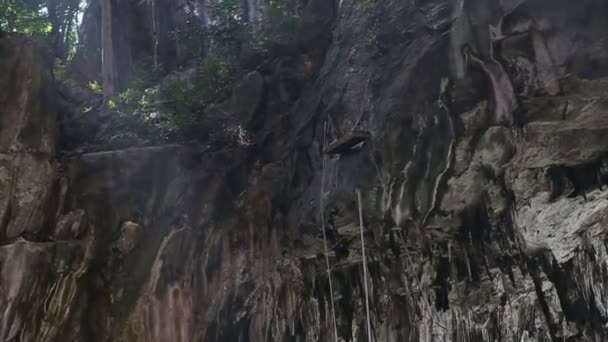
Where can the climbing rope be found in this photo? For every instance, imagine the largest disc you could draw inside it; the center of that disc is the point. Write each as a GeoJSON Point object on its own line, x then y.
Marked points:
{"type": "Point", "coordinates": [425, 301]}
{"type": "Point", "coordinates": [331, 289]}
{"type": "Point", "coordinates": [369, 323]}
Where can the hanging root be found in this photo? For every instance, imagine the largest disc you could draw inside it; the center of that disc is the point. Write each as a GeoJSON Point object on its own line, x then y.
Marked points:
{"type": "Point", "coordinates": [369, 324]}
{"type": "Point", "coordinates": [331, 288]}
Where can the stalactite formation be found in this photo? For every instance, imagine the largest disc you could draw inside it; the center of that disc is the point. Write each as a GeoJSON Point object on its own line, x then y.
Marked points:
{"type": "Point", "coordinates": [463, 198]}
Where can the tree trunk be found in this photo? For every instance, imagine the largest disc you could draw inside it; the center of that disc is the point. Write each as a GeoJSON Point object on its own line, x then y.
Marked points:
{"type": "Point", "coordinates": [55, 35]}
{"type": "Point", "coordinates": [70, 13]}
{"type": "Point", "coordinates": [107, 53]}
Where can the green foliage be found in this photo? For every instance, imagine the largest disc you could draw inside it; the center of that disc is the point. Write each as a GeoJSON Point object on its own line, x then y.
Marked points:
{"type": "Point", "coordinates": [367, 5]}
{"type": "Point", "coordinates": [54, 21]}
{"type": "Point", "coordinates": [179, 107]}
{"type": "Point", "coordinates": [60, 73]}
{"type": "Point", "coordinates": [70, 33]}
{"type": "Point", "coordinates": [95, 87]}
{"type": "Point", "coordinates": [26, 16]}
{"type": "Point", "coordinates": [229, 31]}
{"type": "Point", "coordinates": [174, 108]}
{"type": "Point", "coordinates": [59, 70]}
{"type": "Point", "coordinates": [251, 42]}
{"type": "Point", "coordinates": [373, 31]}
{"type": "Point", "coordinates": [233, 34]}
{"type": "Point", "coordinates": [278, 25]}
{"type": "Point", "coordinates": [287, 6]}
{"type": "Point", "coordinates": [277, 28]}
{"type": "Point", "coordinates": [214, 78]}
{"type": "Point", "coordinates": [182, 106]}
{"type": "Point", "coordinates": [193, 38]}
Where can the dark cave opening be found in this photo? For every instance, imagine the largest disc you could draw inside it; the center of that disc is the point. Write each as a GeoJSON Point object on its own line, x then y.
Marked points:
{"type": "Point", "coordinates": [442, 284]}
{"type": "Point", "coordinates": [576, 180]}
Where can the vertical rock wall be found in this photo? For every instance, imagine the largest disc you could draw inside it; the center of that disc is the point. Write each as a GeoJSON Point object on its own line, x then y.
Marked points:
{"type": "Point", "coordinates": [39, 271]}
{"type": "Point", "coordinates": [482, 169]}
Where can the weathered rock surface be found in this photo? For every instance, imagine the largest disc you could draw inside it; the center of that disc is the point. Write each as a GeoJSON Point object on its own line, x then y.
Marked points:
{"type": "Point", "coordinates": [28, 136]}
{"type": "Point", "coordinates": [483, 176]}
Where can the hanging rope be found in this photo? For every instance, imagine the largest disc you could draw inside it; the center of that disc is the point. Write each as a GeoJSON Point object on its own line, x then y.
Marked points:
{"type": "Point", "coordinates": [426, 303]}
{"type": "Point", "coordinates": [369, 323]}
{"type": "Point", "coordinates": [331, 288]}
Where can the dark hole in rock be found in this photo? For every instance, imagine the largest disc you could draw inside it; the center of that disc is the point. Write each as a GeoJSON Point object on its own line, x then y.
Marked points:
{"type": "Point", "coordinates": [475, 267]}
{"type": "Point", "coordinates": [576, 180]}
{"type": "Point", "coordinates": [394, 244]}
{"type": "Point", "coordinates": [5, 220]}
{"type": "Point", "coordinates": [475, 224]}
{"type": "Point", "coordinates": [341, 250]}
{"type": "Point", "coordinates": [534, 267]}
{"type": "Point", "coordinates": [299, 331]}
{"type": "Point", "coordinates": [214, 261]}
{"type": "Point", "coordinates": [467, 267]}
{"type": "Point", "coordinates": [571, 305]}
{"type": "Point", "coordinates": [442, 285]}
{"type": "Point", "coordinates": [520, 118]}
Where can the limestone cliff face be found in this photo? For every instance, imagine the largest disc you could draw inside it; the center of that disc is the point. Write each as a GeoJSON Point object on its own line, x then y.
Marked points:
{"type": "Point", "coordinates": [482, 168]}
